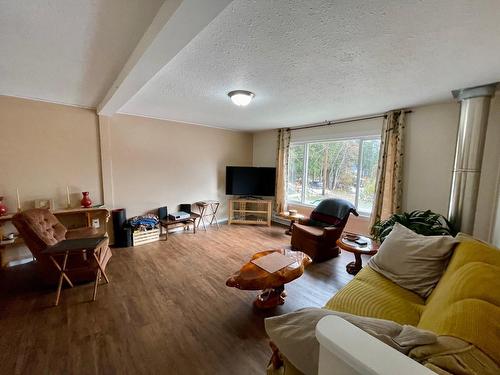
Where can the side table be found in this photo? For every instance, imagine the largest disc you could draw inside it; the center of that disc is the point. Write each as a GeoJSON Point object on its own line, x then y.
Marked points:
{"type": "Point", "coordinates": [346, 242]}
{"type": "Point", "coordinates": [293, 218]}
{"type": "Point", "coordinates": [165, 223]}
{"type": "Point", "coordinates": [208, 209]}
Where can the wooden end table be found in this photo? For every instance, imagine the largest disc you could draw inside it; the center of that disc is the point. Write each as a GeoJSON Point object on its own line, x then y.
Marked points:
{"type": "Point", "coordinates": [346, 242]}
{"type": "Point", "coordinates": [252, 277]}
{"type": "Point", "coordinates": [293, 218]}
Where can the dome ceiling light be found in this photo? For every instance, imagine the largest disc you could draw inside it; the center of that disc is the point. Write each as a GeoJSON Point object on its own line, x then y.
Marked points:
{"type": "Point", "coordinates": [241, 97]}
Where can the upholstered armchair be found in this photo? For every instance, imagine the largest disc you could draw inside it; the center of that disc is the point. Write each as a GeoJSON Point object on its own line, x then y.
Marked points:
{"type": "Point", "coordinates": [317, 236]}
{"type": "Point", "coordinates": [40, 229]}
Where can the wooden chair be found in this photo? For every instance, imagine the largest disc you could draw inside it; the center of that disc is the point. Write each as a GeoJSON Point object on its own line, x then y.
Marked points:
{"type": "Point", "coordinates": [40, 230]}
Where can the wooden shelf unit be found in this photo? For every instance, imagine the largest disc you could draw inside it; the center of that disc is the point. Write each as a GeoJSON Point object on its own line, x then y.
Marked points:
{"type": "Point", "coordinates": [250, 211]}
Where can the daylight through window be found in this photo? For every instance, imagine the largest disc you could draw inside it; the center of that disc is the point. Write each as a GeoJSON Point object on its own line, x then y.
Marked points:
{"type": "Point", "coordinates": [334, 169]}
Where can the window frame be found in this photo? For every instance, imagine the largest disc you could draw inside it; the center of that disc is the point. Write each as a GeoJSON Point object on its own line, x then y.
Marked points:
{"type": "Point", "coordinates": [306, 145]}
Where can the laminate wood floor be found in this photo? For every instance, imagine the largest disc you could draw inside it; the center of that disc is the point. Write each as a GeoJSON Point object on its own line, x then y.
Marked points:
{"type": "Point", "coordinates": [166, 311]}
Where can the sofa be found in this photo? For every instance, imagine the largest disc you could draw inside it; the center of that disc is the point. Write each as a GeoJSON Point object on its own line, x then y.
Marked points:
{"type": "Point", "coordinates": [463, 310]}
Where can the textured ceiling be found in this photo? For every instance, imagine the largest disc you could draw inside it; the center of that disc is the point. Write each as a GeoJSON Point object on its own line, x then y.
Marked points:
{"type": "Point", "coordinates": [68, 51]}
{"type": "Point", "coordinates": [309, 61]}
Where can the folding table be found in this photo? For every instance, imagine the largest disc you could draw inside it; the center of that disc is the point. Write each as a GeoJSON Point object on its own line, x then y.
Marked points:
{"type": "Point", "coordinates": [93, 246]}
{"type": "Point", "coordinates": [208, 209]}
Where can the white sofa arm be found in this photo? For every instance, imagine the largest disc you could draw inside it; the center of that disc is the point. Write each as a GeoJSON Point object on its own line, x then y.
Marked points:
{"type": "Point", "coordinates": [347, 350]}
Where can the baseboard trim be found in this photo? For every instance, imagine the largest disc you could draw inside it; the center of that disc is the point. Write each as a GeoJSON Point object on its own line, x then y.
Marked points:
{"type": "Point", "coordinates": [274, 219]}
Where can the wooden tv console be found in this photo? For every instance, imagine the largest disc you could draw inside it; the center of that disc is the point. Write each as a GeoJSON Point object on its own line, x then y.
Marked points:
{"type": "Point", "coordinates": [250, 211]}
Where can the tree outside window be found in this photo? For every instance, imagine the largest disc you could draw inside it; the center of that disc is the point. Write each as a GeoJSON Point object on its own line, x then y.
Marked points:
{"type": "Point", "coordinates": [335, 169]}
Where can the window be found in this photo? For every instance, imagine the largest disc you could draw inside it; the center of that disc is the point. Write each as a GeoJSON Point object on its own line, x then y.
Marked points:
{"type": "Point", "coordinates": [344, 168]}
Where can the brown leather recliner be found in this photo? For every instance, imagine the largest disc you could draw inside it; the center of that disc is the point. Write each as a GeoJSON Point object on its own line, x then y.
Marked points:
{"type": "Point", "coordinates": [317, 236]}
{"type": "Point", "coordinates": [41, 229]}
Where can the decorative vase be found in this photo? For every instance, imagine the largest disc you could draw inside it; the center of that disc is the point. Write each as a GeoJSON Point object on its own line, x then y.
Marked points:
{"type": "Point", "coordinates": [3, 208]}
{"type": "Point", "coordinates": [86, 202]}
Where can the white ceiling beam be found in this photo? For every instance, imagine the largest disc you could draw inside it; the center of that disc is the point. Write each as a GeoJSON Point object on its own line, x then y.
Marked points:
{"type": "Point", "coordinates": [175, 25]}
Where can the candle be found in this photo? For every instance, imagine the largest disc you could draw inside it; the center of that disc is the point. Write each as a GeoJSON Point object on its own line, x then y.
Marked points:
{"type": "Point", "coordinates": [68, 200]}
{"type": "Point", "coordinates": [18, 200]}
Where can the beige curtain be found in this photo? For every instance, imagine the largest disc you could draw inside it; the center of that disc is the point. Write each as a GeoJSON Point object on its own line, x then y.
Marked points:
{"type": "Point", "coordinates": [282, 168]}
{"type": "Point", "coordinates": [389, 188]}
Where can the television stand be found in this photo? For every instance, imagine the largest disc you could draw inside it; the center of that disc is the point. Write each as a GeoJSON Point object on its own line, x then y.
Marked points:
{"type": "Point", "coordinates": [250, 211]}
{"type": "Point", "coordinates": [252, 197]}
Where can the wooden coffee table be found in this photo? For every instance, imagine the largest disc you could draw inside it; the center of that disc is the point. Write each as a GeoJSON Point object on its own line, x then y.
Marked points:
{"type": "Point", "coordinates": [252, 277]}
{"type": "Point", "coordinates": [371, 248]}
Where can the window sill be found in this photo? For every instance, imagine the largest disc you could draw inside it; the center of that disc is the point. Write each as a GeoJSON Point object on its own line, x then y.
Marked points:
{"type": "Point", "coordinates": [295, 203]}
{"type": "Point", "coordinates": [362, 215]}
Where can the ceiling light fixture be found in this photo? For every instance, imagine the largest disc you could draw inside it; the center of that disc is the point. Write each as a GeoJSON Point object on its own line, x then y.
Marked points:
{"type": "Point", "coordinates": [241, 97]}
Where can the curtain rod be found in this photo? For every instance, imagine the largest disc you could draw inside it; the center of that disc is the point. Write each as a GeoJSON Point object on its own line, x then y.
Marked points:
{"type": "Point", "coordinates": [333, 122]}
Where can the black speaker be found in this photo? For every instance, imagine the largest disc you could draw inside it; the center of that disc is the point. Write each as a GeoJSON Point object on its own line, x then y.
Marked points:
{"type": "Point", "coordinates": [185, 207]}
{"type": "Point", "coordinates": [126, 235]}
{"type": "Point", "coordinates": [163, 213]}
{"type": "Point", "coordinates": [119, 220]}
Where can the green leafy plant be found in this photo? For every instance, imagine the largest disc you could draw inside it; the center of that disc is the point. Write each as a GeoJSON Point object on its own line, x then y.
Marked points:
{"type": "Point", "coordinates": [427, 223]}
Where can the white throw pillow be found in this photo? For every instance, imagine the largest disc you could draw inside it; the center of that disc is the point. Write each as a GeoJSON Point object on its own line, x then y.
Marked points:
{"type": "Point", "coordinates": [413, 261]}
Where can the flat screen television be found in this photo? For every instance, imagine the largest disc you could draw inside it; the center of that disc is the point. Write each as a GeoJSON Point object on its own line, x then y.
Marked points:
{"type": "Point", "coordinates": [253, 181]}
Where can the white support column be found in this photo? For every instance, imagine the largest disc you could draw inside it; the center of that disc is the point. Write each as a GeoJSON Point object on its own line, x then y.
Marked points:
{"type": "Point", "coordinates": [106, 160]}
{"type": "Point", "coordinates": [474, 112]}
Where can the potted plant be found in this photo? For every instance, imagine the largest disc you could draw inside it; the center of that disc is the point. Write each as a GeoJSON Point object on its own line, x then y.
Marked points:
{"type": "Point", "coordinates": [427, 223]}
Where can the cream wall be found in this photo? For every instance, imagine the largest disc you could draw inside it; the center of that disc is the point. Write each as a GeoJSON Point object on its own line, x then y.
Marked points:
{"type": "Point", "coordinates": [146, 162]}
{"type": "Point", "coordinates": [44, 148]}
{"type": "Point", "coordinates": [265, 144]}
{"type": "Point", "coordinates": [156, 162]}
{"type": "Point", "coordinates": [430, 138]}
{"type": "Point", "coordinates": [429, 152]}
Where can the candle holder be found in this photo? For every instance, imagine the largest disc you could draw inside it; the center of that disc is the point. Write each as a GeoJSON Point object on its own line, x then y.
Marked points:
{"type": "Point", "coordinates": [68, 199]}
{"type": "Point", "coordinates": [18, 200]}
{"type": "Point", "coordinates": [3, 208]}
